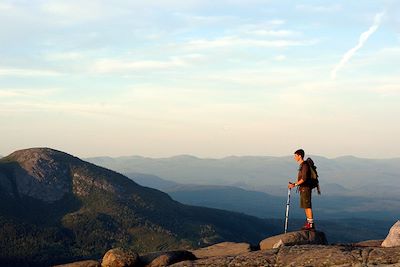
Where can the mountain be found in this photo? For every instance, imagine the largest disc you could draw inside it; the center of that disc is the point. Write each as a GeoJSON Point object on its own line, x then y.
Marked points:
{"type": "Point", "coordinates": [57, 208]}
{"type": "Point", "coordinates": [360, 176]}
{"type": "Point", "coordinates": [152, 181]}
{"type": "Point", "coordinates": [336, 202]}
{"type": "Point", "coordinates": [343, 218]}
{"type": "Point", "coordinates": [230, 198]}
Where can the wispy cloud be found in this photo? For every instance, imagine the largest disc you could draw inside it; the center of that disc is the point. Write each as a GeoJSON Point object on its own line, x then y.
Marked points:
{"type": "Point", "coordinates": [27, 92]}
{"type": "Point", "coordinates": [204, 19]}
{"type": "Point", "coordinates": [72, 11]}
{"type": "Point", "coordinates": [114, 65]}
{"type": "Point", "coordinates": [280, 58]}
{"type": "Point", "coordinates": [363, 39]}
{"type": "Point", "coordinates": [31, 105]}
{"type": "Point", "coordinates": [386, 86]}
{"type": "Point", "coordinates": [270, 25]}
{"type": "Point", "coordinates": [231, 41]}
{"type": "Point", "coordinates": [275, 33]}
{"type": "Point", "coordinates": [387, 90]}
{"type": "Point", "coordinates": [63, 56]}
{"type": "Point", "coordinates": [319, 9]}
{"type": "Point", "coordinates": [5, 7]}
{"type": "Point", "coordinates": [27, 72]}
{"type": "Point", "coordinates": [117, 65]}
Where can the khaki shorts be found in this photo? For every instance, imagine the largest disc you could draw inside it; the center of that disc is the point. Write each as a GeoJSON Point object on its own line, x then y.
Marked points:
{"type": "Point", "coordinates": [305, 197]}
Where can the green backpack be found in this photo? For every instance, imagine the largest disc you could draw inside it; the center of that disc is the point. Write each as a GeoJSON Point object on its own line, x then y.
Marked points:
{"type": "Point", "coordinates": [314, 183]}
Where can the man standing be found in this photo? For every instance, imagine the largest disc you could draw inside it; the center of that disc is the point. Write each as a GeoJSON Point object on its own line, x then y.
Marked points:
{"type": "Point", "coordinates": [303, 179]}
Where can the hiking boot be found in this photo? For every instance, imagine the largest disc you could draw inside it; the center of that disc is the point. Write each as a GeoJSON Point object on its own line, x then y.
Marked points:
{"type": "Point", "coordinates": [308, 226]}
{"type": "Point", "coordinates": [304, 226]}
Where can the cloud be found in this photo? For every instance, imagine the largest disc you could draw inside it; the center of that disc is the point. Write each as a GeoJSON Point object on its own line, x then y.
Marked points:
{"type": "Point", "coordinates": [319, 9]}
{"type": "Point", "coordinates": [388, 89]}
{"type": "Point", "coordinates": [386, 86]}
{"type": "Point", "coordinates": [231, 41]}
{"type": "Point", "coordinates": [5, 7]}
{"type": "Point", "coordinates": [33, 105]}
{"type": "Point", "coordinates": [27, 92]}
{"type": "Point", "coordinates": [63, 56]}
{"type": "Point", "coordinates": [71, 11]}
{"type": "Point", "coordinates": [266, 30]}
{"type": "Point", "coordinates": [363, 39]}
{"type": "Point", "coordinates": [198, 19]}
{"type": "Point", "coordinates": [117, 65]}
{"type": "Point", "coordinates": [275, 33]}
{"type": "Point", "coordinates": [27, 72]}
{"type": "Point", "coordinates": [270, 25]}
{"type": "Point", "coordinates": [280, 58]}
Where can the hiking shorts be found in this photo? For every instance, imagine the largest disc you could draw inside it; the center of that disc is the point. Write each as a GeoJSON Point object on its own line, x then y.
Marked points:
{"type": "Point", "coordinates": [305, 197]}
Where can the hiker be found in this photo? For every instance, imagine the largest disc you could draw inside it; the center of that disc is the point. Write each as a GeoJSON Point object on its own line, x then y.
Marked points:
{"type": "Point", "coordinates": [303, 183]}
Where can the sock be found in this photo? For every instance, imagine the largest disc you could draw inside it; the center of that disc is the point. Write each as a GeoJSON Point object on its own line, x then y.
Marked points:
{"type": "Point", "coordinates": [310, 220]}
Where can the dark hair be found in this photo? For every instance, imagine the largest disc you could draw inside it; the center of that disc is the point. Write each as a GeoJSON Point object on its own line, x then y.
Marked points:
{"type": "Point", "coordinates": [299, 152]}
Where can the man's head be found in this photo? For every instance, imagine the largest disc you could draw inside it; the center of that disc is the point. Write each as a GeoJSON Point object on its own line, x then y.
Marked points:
{"type": "Point", "coordinates": [299, 155]}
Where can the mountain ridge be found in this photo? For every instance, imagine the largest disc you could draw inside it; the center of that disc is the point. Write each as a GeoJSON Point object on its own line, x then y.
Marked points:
{"type": "Point", "coordinates": [241, 156]}
{"type": "Point", "coordinates": [256, 172]}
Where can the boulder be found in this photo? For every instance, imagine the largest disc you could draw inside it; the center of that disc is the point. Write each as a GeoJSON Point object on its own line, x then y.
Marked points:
{"type": "Point", "coordinates": [222, 249]}
{"type": "Point", "coordinates": [158, 259]}
{"type": "Point", "coordinates": [88, 263]}
{"type": "Point", "coordinates": [119, 257]}
{"type": "Point", "coordinates": [393, 238]}
{"type": "Point", "coordinates": [294, 238]}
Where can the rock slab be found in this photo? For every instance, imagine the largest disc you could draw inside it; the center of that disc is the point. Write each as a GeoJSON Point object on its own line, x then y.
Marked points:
{"type": "Point", "coordinates": [393, 238]}
{"type": "Point", "coordinates": [306, 255]}
{"type": "Point", "coordinates": [222, 249]}
{"type": "Point", "coordinates": [368, 243]}
{"type": "Point", "coordinates": [294, 238]}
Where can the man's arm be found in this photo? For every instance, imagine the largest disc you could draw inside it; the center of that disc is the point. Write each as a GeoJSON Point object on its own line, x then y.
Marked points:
{"type": "Point", "coordinates": [303, 175]}
{"type": "Point", "coordinates": [291, 185]}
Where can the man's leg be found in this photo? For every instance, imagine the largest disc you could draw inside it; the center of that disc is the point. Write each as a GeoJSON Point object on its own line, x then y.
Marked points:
{"type": "Point", "coordinates": [309, 214]}
{"type": "Point", "coordinates": [305, 203]}
{"type": "Point", "coordinates": [310, 218]}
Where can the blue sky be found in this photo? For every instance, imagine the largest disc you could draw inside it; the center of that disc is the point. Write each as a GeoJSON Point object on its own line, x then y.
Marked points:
{"type": "Point", "coordinates": [207, 78]}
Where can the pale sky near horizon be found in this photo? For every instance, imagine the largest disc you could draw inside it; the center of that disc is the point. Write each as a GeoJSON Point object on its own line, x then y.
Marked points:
{"type": "Point", "coordinates": [199, 77]}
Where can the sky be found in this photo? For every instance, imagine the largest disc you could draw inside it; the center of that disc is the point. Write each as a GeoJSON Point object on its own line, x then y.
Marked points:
{"type": "Point", "coordinates": [206, 78]}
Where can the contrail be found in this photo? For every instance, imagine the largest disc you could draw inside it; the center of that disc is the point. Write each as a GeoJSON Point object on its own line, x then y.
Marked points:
{"type": "Point", "coordinates": [363, 38]}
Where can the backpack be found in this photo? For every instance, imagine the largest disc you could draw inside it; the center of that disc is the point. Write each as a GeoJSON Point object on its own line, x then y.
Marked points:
{"type": "Point", "coordinates": [314, 183]}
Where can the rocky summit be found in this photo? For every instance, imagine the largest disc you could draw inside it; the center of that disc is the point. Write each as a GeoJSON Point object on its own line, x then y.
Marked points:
{"type": "Point", "coordinates": [57, 208]}
{"type": "Point", "coordinates": [292, 252]}
{"type": "Point", "coordinates": [306, 255]}
{"type": "Point", "coordinates": [40, 173]}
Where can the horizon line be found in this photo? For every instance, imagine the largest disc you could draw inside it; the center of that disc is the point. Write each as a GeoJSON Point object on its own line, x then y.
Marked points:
{"type": "Point", "coordinates": [205, 157]}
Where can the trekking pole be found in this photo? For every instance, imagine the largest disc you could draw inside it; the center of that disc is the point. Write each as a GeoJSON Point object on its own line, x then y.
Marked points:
{"type": "Point", "coordinates": [287, 210]}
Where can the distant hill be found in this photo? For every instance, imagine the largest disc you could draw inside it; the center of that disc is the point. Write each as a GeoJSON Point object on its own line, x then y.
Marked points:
{"type": "Point", "coordinates": [56, 208]}
{"type": "Point", "coordinates": [361, 176]}
{"type": "Point", "coordinates": [222, 197]}
{"type": "Point", "coordinates": [152, 181]}
{"type": "Point", "coordinates": [336, 202]}
{"type": "Point", "coordinates": [342, 218]}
